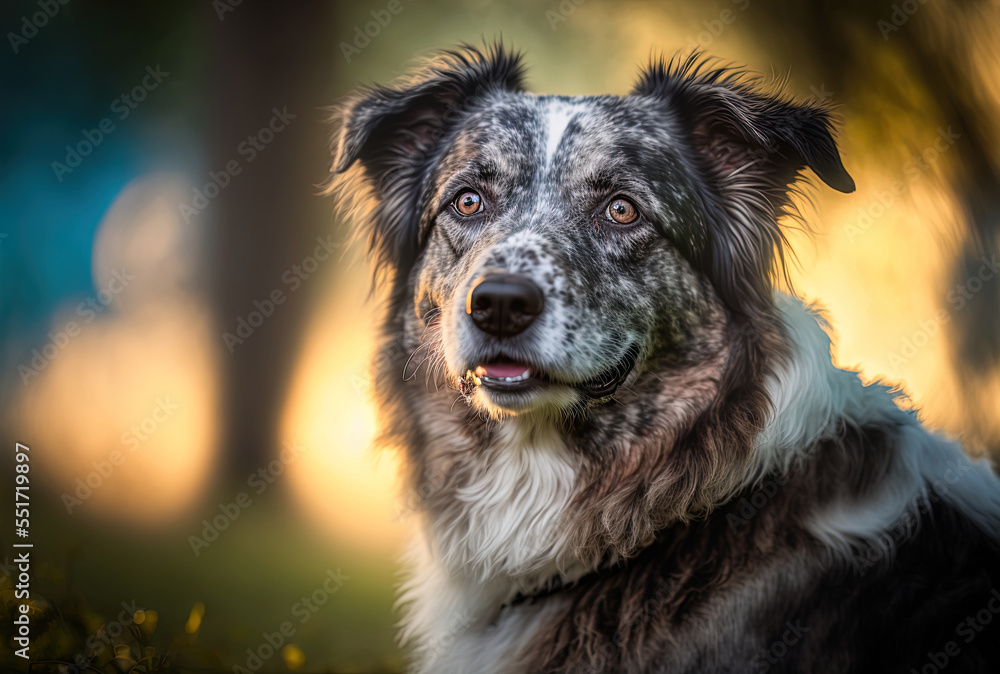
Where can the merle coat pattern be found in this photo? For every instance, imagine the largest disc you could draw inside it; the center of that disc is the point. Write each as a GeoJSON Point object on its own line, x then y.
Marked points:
{"type": "Point", "coordinates": [680, 480]}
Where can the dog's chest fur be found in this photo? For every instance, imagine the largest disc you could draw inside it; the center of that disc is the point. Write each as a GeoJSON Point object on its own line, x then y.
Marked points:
{"type": "Point", "coordinates": [500, 531]}
{"type": "Point", "coordinates": [506, 515]}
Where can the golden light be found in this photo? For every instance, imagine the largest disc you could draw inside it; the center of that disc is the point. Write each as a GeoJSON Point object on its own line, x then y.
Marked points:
{"type": "Point", "coordinates": [119, 403]}
{"type": "Point", "coordinates": [293, 656]}
{"type": "Point", "coordinates": [193, 623]}
{"type": "Point", "coordinates": [339, 479]}
{"type": "Point", "coordinates": [880, 263]}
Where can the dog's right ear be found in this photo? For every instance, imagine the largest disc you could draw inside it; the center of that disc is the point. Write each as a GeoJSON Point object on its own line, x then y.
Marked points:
{"type": "Point", "coordinates": [394, 134]}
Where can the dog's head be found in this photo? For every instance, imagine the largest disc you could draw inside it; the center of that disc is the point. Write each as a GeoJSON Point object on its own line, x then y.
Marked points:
{"type": "Point", "coordinates": [551, 246]}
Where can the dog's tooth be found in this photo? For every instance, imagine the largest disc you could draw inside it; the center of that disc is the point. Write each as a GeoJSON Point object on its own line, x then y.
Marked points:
{"type": "Point", "coordinates": [526, 374]}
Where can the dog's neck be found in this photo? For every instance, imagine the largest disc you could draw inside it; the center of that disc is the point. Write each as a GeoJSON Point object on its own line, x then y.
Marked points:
{"type": "Point", "coordinates": [524, 507]}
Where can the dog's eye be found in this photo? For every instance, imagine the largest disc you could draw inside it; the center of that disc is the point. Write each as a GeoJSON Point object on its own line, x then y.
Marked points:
{"type": "Point", "coordinates": [468, 203]}
{"type": "Point", "coordinates": [622, 211]}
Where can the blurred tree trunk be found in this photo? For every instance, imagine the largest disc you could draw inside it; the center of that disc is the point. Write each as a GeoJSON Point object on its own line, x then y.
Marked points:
{"type": "Point", "coordinates": [263, 57]}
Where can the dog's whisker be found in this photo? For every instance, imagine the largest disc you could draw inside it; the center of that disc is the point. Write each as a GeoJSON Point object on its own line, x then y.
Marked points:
{"type": "Point", "coordinates": [408, 377]}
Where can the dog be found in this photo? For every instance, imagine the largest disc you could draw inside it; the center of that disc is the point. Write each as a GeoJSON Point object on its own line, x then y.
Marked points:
{"type": "Point", "coordinates": [627, 450]}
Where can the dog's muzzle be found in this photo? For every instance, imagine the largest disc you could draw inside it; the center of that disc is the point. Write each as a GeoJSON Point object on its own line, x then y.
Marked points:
{"type": "Point", "coordinates": [504, 306]}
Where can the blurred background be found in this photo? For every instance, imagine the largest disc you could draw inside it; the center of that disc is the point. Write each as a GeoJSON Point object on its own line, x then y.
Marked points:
{"type": "Point", "coordinates": [186, 334]}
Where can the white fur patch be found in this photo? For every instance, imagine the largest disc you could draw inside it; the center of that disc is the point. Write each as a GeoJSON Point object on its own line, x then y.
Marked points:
{"type": "Point", "coordinates": [557, 117]}
{"type": "Point", "coordinates": [512, 507]}
{"type": "Point", "coordinates": [504, 536]}
{"type": "Point", "coordinates": [811, 395]}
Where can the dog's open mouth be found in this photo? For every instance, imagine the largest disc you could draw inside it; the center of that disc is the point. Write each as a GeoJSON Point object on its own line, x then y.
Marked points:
{"type": "Point", "coordinates": [507, 376]}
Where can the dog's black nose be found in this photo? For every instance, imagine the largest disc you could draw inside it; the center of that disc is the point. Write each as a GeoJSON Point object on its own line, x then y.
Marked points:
{"type": "Point", "coordinates": [504, 305]}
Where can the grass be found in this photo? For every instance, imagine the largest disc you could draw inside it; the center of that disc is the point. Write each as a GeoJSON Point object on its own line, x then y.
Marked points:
{"type": "Point", "coordinates": [202, 614]}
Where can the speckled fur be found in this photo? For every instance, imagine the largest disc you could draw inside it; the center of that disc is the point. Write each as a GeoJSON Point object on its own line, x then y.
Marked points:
{"type": "Point", "coordinates": [628, 533]}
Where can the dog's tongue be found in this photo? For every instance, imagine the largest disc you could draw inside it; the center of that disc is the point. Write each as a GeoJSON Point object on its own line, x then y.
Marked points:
{"type": "Point", "coordinates": [503, 369]}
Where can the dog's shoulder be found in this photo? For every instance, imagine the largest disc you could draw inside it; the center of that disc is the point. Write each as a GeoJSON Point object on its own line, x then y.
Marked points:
{"type": "Point", "coordinates": [750, 585]}
{"type": "Point", "coordinates": [933, 599]}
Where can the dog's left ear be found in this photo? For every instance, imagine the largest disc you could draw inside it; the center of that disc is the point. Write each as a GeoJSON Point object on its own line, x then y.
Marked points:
{"type": "Point", "coordinates": [395, 133]}
{"type": "Point", "coordinates": [748, 147]}
{"type": "Point", "coordinates": [738, 127]}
